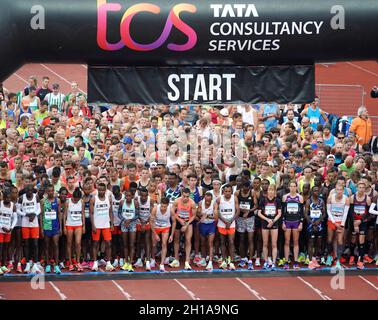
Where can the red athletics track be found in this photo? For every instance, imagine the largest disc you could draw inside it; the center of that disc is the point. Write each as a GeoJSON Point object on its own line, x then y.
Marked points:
{"type": "Point", "coordinates": [245, 288]}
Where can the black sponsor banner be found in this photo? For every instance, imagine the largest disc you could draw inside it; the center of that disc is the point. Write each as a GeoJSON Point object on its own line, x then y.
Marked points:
{"type": "Point", "coordinates": [198, 85]}
{"type": "Point", "coordinates": [190, 32]}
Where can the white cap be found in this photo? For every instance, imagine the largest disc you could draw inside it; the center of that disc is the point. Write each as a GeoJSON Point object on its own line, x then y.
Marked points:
{"type": "Point", "coordinates": [224, 112]}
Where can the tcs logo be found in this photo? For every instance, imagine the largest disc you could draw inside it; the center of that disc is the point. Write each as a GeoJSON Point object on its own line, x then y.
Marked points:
{"type": "Point", "coordinates": [126, 39]}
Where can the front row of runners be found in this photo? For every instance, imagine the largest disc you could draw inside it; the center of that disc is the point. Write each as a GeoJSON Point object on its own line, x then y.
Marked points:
{"type": "Point", "coordinates": [131, 223]}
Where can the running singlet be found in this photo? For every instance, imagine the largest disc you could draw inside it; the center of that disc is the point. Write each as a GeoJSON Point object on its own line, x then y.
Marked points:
{"type": "Point", "coordinates": [359, 207]}
{"type": "Point", "coordinates": [246, 203]}
{"type": "Point", "coordinates": [314, 116]}
{"type": "Point", "coordinates": [316, 209]}
{"type": "Point", "coordinates": [28, 207]}
{"type": "Point", "coordinates": [337, 209]}
{"type": "Point", "coordinates": [195, 196]}
{"type": "Point", "coordinates": [128, 211]}
{"type": "Point", "coordinates": [227, 211]}
{"type": "Point", "coordinates": [51, 215]}
{"type": "Point", "coordinates": [29, 113]}
{"type": "Point", "coordinates": [115, 206]}
{"type": "Point", "coordinates": [293, 208]}
{"type": "Point", "coordinates": [7, 216]}
{"type": "Point", "coordinates": [206, 187]}
{"type": "Point", "coordinates": [184, 212]}
{"type": "Point", "coordinates": [208, 212]}
{"type": "Point", "coordinates": [101, 213]}
{"type": "Point", "coordinates": [162, 220]}
{"type": "Point", "coordinates": [172, 195]}
{"type": "Point", "coordinates": [74, 212]}
{"type": "Point", "coordinates": [269, 207]}
{"type": "Point", "coordinates": [144, 210]}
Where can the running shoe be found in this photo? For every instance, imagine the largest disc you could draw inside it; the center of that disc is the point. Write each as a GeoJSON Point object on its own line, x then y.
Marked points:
{"type": "Point", "coordinates": [166, 261]}
{"type": "Point", "coordinates": [27, 267]}
{"type": "Point", "coordinates": [286, 266]}
{"type": "Point", "coordinates": [61, 265]}
{"type": "Point", "coordinates": [74, 262]}
{"type": "Point", "coordinates": [19, 268]}
{"type": "Point", "coordinates": [71, 267]}
{"type": "Point", "coordinates": [102, 262]}
{"type": "Point", "coordinates": [192, 255]}
{"type": "Point", "coordinates": [232, 266]}
{"type": "Point", "coordinates": [242, 263]}
{"type": "Point", "coordinates": [216, 258]}
{"type": "Point", "coordinates": [175, 264]}
{"type": "Point", "coordinates": [322, 261]}
{"type": "Point", "coordinates": [220, 260]}
{"type": "Point", "coordinates": [139, 263]}
{"type": "Point", "coordinates": [317, 265]}
{"type": "Point", "coordinates": [130, 268]}
{"type": "Point", "coordinates": [329, 261]}
{"type": "Point", "coordinates": [301, 257]}
{"type": "Point", "coordinates": [250, 265]}
{"type": "Point", "coordinates": [115, 263]}
{"type": "Point", "coordinates": [360, 265]}
{"type": "Point", "coordinates": [125, 266]}
{"type": "Point", "coordinates": [257, 262]}
{"type": "Point", "coordinates": [35, 269]}
{"type": "Point", "coordinates": [48, 269]}
{"type": "Point", "coordinates": [23, 261]}
{"type": "Point", "coordinates": [10, 266]}
{"type": "Point", "coordinates": [338, 265]}
{"type": "Point", "coordinates": [351, 260]}
{"type": "Point", "coordinates": [223, 265]}
{"type": "Point", "coordinates": [342, 259]}
{"type": "Point", "coordinates": [237, 258]}
{"type": "Point", "coordinates": [95, 266]}
{"type": "Point", "coordinates": [202, 263]}
{"type": "Point", "coordinates": [57, 270]}
{"type": "Point", "coordinates": [209, 266]}
{"type": "Point", "coordinates": [281, 262]}
{"type": "Point", "coordinates": [148, 266]}
{"type": "Point", "coordinates": [121, 262]}
{"type": "Point", "coordinates": [187, 266]}
{"type": "Point", "coordinates": [376, 262]}
{"type": "Point", "coordinates": [196, 259]}
{"type": "Point", "coordinates": [273, 266]}
{"type": "Point", "coordinates": [4, 269]}
{"type": "Point", "coordinates": [266, 265]}
{"type": "Point", "coordinates": [152, 263]}
{"type": "Point", "coordinates": [79, 267]}
{"type": "Point", "coordinates": [67, 264]}
{"type": "Point", "coordinates": [367, 259]}
{"type": "Point", "coordinates": [109, 267]}
{"type": "Point", "coordinates": [162, 268]}
{"type": "Point", "coordinates": [1, 272]}
{"type": "Point", "coordinates": [307, 261]}
{"type": "Point", "coordinates": [296, 266]}
{"type": "Point", "coordinates": [207, 258]}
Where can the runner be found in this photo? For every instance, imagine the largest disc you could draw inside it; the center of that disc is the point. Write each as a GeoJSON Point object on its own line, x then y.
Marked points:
{"type": "Point", "coordinates": [161, 217]}
{"type": "Point", "coordinates": [100, 210]}
{"type": "Point", "coordinates": [270, 210]}
{"type": "Point", "coordinates": [117, 247]}
{"type": "Point", "coordinates": [52, 228]}
{"type": "Point", "coordinates": [184, 210]}
{"type": "Point", "coordinates": [87, 232]}
{"type": "Point", "coordinates": [314, 214]}
{"type": "Point", "coordinates": [228, 212]}
{"type": "Point", "coordinates": [337, 209]}
{"type": "Point", "coordinates": [74, 227]}
{"type": "Point", "coordinates": [207, 210]}
{"type": "Point", "coordinates": [292, 213]}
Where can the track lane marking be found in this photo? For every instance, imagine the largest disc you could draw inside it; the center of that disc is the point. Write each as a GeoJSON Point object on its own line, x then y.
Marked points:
{"type": "Point", "coordinates": [368, 282]}
{"type": "Point", "coordinates": [190, 293]}
{"type": "Point", "coordinates": [21, 78]}
{"type": "Point", "coordinates": [362, 68]}
{"type": "Point", "coordinates": [61, 295]}
{"type": "Point", "coordinates": [126, 294]}
{"type": "Point", "coordinates": [323, 296]}
{"type": "Point", "coordinates": [254, 292]}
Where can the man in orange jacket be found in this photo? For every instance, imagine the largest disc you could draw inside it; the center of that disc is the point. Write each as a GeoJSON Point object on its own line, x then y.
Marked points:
{"type": "Point", "coordinates": [361, 126]}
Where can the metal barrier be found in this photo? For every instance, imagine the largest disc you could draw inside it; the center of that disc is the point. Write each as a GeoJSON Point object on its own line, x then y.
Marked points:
{"type": "Point", "coordinates": [340, 99]}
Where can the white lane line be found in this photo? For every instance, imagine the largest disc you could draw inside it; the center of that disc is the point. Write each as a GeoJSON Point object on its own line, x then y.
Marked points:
{"type": "Point", "coordinates": [61, 295]}
{"type": "Point", "coordinates": [368, 282]}
{"type": "Point", "coordinates": [59, 76]}
{"type": "Point", "coordinates": [1, 296]}
{"type": "Point", "coordinates": [21, 78]}
{"type": "Point", "coordinates": [254, 292]}
{"type": "Point", "coordinates": [363, 69]}
{"type": "Point", "coordinates": [190, 293]}
{"type": "Point", "coordinates": [126, 294]}
{"type": "Point", "coordinates": [323, 296]}
{"type": "Point", "coordinates": [84, 66]}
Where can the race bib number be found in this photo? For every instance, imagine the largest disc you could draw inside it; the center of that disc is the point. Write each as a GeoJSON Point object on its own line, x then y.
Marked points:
{"type": "Point", "coordinates": [244, 206]}
{"type": "Point", "coordinates": [227, 214]}
{"type": "Point", "coordinates": [359, 210]}
{"type": "Point", "coordinates": [86, 212]}
{"type": "Point", "coordinates": [29, 209]}
{"type": "Point", "coordinates": [102, 212]}
{"type": "Point", "coordinates": [315, 214]}
{"type": "Point", "coordinates": [50, 215]}
{"type": "Point", "coordinates": [76, 215]}
{"type": "Point", "coordinates": [5, 222]}
{"type": "Point", "coordinates": [314, 120]}
{"type": "Point", "coordinates": [161, 223]}
{"type": "Point", "coordinates": [292, 208]}
{"type": "Point", "coordinates": [337, 212]}
{"type": "Point", "coordinates": [128, 214]}
{"type": "Point", "coordinates": [270, 211]}
{"type": "Point", "coordinates": [183, 214]}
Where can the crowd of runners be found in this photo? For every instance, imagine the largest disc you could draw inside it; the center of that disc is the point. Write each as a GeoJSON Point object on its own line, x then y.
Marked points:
{"type": "Point", "coordinates": [167, 187]}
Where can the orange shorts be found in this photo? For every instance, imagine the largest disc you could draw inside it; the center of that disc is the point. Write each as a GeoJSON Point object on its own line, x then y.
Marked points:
{"type": "Point", "coordinates": [5, 237]}
{"type": "Point", "coordinates": [162, 230]}
{"type": "Point", "coordinates": [332, 225]}
{"type": "Point", "coordinates": [73, 228]}
{"type": "Point", "coordinates": [225, 231]}
{"type": "Point", "coordinates": [116, 230]}
{"type": "Point", "coordinates": [146, 227]}
{"type": "Point", "coordinates": [30, 233]}
{"type": "Point", "coordinates": [106, 234]}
